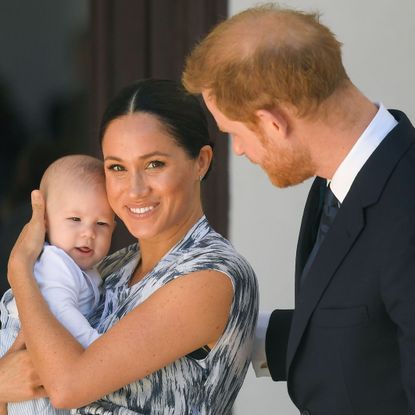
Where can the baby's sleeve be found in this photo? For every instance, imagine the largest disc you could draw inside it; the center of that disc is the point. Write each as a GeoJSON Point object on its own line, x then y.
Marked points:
{"type": "Point", "coordinates": [61, 283]}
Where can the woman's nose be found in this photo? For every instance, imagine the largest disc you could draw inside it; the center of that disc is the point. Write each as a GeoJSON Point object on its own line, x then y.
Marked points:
{"type": "Point", "coordinates": [138, 186]}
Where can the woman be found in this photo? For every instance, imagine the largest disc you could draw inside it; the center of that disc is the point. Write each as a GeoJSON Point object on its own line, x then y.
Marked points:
{"type": "Point", "coordinates": [180, 306]}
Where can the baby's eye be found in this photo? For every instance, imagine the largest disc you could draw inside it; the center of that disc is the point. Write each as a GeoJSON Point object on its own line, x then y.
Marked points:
{"type": "Point", "coordinates": [100, 223]}
{"type": "Point", "coordinates": [74, 219]}
{"type": "Point", "coordinates": [116, 167]}
{"type": "Point", "coordinates": [154, 164]}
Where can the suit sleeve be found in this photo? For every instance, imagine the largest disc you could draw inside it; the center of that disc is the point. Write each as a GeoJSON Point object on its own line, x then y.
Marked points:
{"type": "Point", "coordinates": [276, 343]}
{"type": "Point", "coordinates": [61, 284]}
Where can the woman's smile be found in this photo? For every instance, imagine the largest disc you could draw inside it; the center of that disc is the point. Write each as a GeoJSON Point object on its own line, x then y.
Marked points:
{"type": "Point", "coordinates": [142, 210]}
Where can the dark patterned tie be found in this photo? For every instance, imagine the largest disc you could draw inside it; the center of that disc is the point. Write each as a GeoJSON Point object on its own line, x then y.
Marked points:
{"type": "Point", "coordinates": [330, 208]}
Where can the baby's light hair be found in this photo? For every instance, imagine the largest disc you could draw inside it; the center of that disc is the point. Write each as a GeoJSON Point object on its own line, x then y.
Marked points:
{"type": "Point", "coordinates": [77, 168]}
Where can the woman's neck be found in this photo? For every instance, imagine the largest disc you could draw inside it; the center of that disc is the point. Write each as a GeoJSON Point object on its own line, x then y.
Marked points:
{"type": "Point", "coordinates": [154, 249]}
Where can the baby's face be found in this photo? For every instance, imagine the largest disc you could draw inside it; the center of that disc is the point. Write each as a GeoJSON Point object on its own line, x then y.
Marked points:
{"type": "Point", "coordinates": [80, 221]}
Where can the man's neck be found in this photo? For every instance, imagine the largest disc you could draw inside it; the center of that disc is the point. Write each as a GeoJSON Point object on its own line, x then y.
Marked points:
{"type": "Point", "coordinates": [333, 136]}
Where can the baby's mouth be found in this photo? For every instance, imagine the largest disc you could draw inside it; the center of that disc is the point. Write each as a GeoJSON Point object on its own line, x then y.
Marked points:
{"type": "Point", "coordinates": [84, 249]}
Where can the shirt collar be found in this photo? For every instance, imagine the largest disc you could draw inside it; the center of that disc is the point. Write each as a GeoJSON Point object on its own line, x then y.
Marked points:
{"type": "Point", "coordinates": [376, 131]}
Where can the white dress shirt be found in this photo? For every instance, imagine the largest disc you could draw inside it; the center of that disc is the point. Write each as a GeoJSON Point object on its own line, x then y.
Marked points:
{"type": "Point", "coordinates": [340, 184]}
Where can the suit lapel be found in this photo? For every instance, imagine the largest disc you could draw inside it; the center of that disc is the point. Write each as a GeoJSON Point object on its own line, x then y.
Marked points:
{"type": "Point", "coordinates": [365, 191]}
{"type": "Point", "coordinates": [347, 227]}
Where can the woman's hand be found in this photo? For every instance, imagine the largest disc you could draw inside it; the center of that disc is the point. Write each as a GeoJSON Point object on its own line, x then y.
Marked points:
{"type": "Point", "coordinates": [30, 241]}
{"type": "Point", "coordinates": [18, 379]}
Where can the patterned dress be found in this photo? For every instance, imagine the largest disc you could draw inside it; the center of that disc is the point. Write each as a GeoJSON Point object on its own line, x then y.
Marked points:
{"type": "Point", "coordinates": [187, 386]}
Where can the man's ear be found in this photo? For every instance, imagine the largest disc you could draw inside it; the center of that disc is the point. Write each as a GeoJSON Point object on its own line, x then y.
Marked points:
{"type": "Point", "coordinates": [273, 122]}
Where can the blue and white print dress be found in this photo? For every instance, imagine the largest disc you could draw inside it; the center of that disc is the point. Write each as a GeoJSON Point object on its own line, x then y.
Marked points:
{"type": "Point", "coordinates": [187, 386]}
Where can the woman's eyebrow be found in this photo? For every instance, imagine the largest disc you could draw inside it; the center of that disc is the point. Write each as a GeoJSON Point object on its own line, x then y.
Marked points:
{"type": "Point", "coordinates": [144, 156]}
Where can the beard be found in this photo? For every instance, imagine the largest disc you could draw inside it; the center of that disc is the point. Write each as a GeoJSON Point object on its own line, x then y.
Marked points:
{"type": "Point", "coordinates": [286, 166]}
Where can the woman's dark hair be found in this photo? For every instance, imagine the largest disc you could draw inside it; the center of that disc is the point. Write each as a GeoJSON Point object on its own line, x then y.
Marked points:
{"type": "Point", "coordinates": [179, 112]}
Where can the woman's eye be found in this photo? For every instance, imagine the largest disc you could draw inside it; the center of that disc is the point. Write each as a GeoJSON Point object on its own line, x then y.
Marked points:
{"type": "Point", "coordinates": [154, 164]}
{"type": "Point", "coordinates": [74, 219]}
{"type": "Point", "coordinates": [115, 167]}
{"type": "Point", "coordinates": [102, 223]}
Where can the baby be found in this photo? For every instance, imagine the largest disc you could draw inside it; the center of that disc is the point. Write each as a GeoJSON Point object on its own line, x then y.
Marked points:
{"type": "Point", "coordinates": [79, 226]}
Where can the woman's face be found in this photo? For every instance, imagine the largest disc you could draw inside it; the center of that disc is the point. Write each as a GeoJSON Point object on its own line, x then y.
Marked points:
{"type": "Point", "coordinates": [152, 183]}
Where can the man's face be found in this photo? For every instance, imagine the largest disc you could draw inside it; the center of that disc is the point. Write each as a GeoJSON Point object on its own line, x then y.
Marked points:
{"type": "Point", "coordinates": [285, 162]}
{"type": "Point", "coordinates": [244, 140]}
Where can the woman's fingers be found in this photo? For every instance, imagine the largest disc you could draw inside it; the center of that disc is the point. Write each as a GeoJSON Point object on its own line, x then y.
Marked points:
{"type": "Point", "coordinates": [38, 208]}
{"type": "Point", "coordinates": [36, 228]}
{"type": "Point", "coordinates": [30, 241]}
{"type": "Point", "coordinates": [18, 378]}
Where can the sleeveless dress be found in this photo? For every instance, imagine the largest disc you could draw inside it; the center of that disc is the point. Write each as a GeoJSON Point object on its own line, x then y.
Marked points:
{"type": "Point", "coordinates": [187, 386]}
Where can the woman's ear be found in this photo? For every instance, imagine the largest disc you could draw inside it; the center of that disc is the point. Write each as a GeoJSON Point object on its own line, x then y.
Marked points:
{"type": "Point", "coordinates": [204, 160]}
{"type": "Point", "coordinates": [273, 122]}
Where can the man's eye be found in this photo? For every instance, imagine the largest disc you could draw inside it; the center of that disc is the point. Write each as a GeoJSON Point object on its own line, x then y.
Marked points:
{"type": "Point", "coordinates": [74, 219]}
{"type": "Point", "coordinates": [115, 167]}
{"type": "Point", "coordinates": [154, 164]}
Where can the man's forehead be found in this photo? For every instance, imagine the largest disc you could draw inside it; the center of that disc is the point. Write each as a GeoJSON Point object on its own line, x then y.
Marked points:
{"type": "Point", "coordinates": [211, 105]}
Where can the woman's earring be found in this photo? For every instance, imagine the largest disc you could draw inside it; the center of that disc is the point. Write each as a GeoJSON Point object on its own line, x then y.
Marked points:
{"type": "Point", "coordinates": [200, 178]}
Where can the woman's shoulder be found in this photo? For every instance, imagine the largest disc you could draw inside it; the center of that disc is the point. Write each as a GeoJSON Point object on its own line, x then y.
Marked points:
{"type": "Point", "coordinates": [204, 238]}
{"type": "Point", "coordinates": [213, 251]}
{"type": "Point", "coordinates": [214, 242]}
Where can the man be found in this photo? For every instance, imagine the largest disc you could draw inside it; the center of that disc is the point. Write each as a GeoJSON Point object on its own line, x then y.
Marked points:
{"type": "Point", "coordinates": [274, 80]}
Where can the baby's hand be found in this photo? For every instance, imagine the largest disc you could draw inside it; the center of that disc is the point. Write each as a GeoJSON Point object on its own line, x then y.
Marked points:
{"type": "Point", "coordinates": [30, 241]}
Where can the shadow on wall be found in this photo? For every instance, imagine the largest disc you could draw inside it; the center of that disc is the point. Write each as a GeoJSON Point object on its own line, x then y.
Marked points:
{"type": "Point", "coordinates": [44, 112]}
{"type": "Point", "coordinates": [26, 152]}
{"type": "Point", "coordinates": [15, 208]}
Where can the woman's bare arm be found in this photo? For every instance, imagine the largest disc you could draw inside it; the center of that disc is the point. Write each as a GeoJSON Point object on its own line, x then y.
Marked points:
{"type": "Point", "coordinates": [180, 317]}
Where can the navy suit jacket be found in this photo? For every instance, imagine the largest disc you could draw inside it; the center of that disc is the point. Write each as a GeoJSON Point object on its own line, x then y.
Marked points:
{"type": "Point", "coordinates": [348, 348]}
